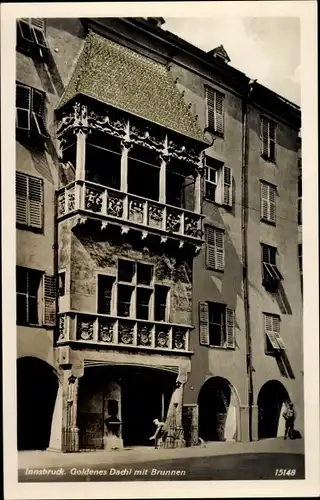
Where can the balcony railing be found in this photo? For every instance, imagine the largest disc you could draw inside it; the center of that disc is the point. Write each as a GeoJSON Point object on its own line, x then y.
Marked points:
{"type": "Point", "coordinates": [113, 331]}
{"type": "Point", "coordinates": [127, 207]}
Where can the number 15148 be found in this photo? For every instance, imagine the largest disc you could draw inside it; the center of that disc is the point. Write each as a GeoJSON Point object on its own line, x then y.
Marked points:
{"type": "Point", "coordinates": [285, 472]}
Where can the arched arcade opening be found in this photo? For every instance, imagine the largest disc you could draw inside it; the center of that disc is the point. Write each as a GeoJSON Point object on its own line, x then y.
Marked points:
{"type": "Point", "coordinates": [272, 399]}
{"type": "Point", "coordinates": [218, 410]}
{"type": "Point", "coordinates": [37, 387]}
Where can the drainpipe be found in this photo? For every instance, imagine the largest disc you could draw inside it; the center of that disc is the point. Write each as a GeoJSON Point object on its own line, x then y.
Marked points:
{"type": "Point", "coordinates": [244, 232]}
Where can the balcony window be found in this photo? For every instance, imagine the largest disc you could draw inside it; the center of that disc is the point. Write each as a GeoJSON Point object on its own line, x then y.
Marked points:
{"type": "Point", "coordinates": [143, 172]}
{"type": "Point", "coordinates": [143, 303]}
{"type": "Point", "coordinates": [126, 270]}
{"type": "Point", "coordinates": [105, 285]}
{"type": "Point", "coordinates": [144, 274]}
{"type": "Point", "coordinates": [160, 302]}
{"type": "Point", "coordinates": [180, 185]}
{"type": "Point", "coordinates": [124, 308]}
{"type": "Point", "coordinates": [103, 160]}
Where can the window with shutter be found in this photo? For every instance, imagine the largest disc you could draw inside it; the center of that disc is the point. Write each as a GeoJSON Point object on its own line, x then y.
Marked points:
{"type": "Point", "coordinates": [30, 109]}
{"type": "Point", "coordinates": [268, 137]}
{"type": "Point", "coordinates": [29, 201]}
{"type": "Point", "coordinates": [215, 114]}
{"type": "Point", "coordinates": [31, 37]}
{"type": "Point", "coordinates": [268, 202]}
{"type": "Point", "coordinates": [215, 248]}
{"type": "Point", "coordinates": [274, 340]}
{"type": "Point", "coordinates": [49, 289]}
{"type": "Point", "coordinates": [216, 325]}
{"type": "Point", "coordinates": [27, 287]}
{"type": "Point", "coordinates": [271, 274]}
{"type": "Point", "coordinates": [204, 323]}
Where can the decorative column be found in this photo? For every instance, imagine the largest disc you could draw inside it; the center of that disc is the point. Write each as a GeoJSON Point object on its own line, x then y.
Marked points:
{"type": "Point", "coordinates": [164, 158]}
{"type": "Point", "coordinates": [126, 146]}
{"type": "Point", "coordinates": [81, 154]}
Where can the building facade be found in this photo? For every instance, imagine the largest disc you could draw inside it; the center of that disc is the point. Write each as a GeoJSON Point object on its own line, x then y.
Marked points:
{"type": "Point", "coordinates": [157, 237]}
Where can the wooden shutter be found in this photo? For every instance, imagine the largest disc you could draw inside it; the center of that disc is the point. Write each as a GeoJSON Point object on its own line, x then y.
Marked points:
{"type": "Point", "coordinates": [49, 292]}
{"type": "Point", "coordinates": [219, 112]}
{"type": "Point", "coordinates": [210, 109]}
{"type": "Point", "coordinates": [227, 185]}
{"type": "Point", "coordinates": [35, 202]}
{"type": "Point", "coordinates": [272, 330]}
{"type": "Point", "coordinates": [215, 248]}
{"type": "Point", "coordinates": [215, 110]}
{"type": "Point", "coordinates": [23, 107]}
{"type": "Point", "coordinates": [204, 323]}
{"type": "Point", "coordinates": [272, 140]}
{"type": "Point", "coordinates": [265, 136]}
{"type": "Point", "coordinates": [272, 203]}
{"type": "Point", "coordinates": [264, 201]}
{"type": "Point", "coordinates": [38, 22]}
{"type": "Point", "coordinates": [21, 198]}
{"type": "Point", "coordinates": [38, 108]}
{"type": "Point", "coordinates": [230, 329]}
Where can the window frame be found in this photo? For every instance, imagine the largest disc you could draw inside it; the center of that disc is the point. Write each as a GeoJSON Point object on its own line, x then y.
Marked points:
{"type": "Point", "coordinates": [228, 320]}
{"type": "Point", "coordinates": [37, 128]}
{"type": "Point", "coordinates": [267, 155]}
{"type": "Point", "coordinates": [34, 45]}
{"type": "Point", "coordinates": [273, 342]}
{"type": "Point", "coordinates": [40, 290]}
{"type": "Point", "coordinates": [135, 286]}
{"type": "Point", "coordinates": [274, 275]}
{"type": "Point", "coordinates": [28, 226]}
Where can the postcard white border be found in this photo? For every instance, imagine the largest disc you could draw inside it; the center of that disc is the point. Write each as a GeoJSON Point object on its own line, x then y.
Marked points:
{"type": "Point", "coordinates": [306, 11]}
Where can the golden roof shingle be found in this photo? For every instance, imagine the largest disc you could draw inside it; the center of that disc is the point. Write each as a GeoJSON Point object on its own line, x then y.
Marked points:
{"type": "Point", "coordinates": [125, 79]}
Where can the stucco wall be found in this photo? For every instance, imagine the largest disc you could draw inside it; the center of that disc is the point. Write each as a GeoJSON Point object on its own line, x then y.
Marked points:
{"type": "Point", "coordinates": [35, 250]}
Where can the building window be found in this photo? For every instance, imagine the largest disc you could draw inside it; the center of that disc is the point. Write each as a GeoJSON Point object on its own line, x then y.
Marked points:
{"type": "Point", "coordinates": [214, 248]}
{"type": "Point", "coordinates": [217, 327]}
{"type": "Point", "coordinates": [124, 308]}
{"type": "Point", "coordinates": [300, 199]}
{"type": "Point", "coordinates": [160, 303]}
{"type": "Point", "coordinates": [268, 136]}
{"type": "Point", "coordinates": [29, 201]}
{"type": "Point", "coordinates": [27, 289]}
{"type": "Point", "coordinates": [271, 274]}
{"type": "Point", "coordinates": [268, 202]}
{"type": "Point", "coordinates": [274, 342]}
{"type": "Point", "coordinates": [31, 37]}
{"type": "Point", "coordinates": [30, 108]}
{"type": "Point", "coordinates": [218, 182]}
{"type": "Point", "coordinates": [215, 112]}
{"type": "Point", "coordinates": [105, 286]}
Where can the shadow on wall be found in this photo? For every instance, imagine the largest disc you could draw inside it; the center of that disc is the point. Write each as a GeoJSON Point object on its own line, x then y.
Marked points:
{"type": "Point", "coordinates": [284, 365]}
{"type": "Point", "coordinates": [282, 300]}
{"type": "Point", "coordinates": [49, 75]}
{"type": "Point", "coordinates": [39, 158]}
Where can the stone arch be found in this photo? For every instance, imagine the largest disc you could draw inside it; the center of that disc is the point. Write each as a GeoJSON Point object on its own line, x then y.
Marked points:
{"type": "Point", "coordinates": [271, 402]}
{"type": "Point", "coordinates": [37, 387]}
{"type": "Point", "coordinates": [219, 411]}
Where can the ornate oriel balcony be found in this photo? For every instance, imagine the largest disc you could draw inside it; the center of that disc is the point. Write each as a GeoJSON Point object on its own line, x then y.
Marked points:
{"type": "Point", "coordinates": [125, 170]}
{"type": "Point", "coordinates": [115, 205]}
{"type": "Point", "coordinates": [99, 330]}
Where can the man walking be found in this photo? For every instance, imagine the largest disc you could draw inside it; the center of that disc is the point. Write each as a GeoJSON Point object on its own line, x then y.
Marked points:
{"type": "Point", "coordinates": [289, 415]}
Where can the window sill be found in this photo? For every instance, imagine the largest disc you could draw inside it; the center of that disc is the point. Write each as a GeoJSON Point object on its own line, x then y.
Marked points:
{"type": "Point", "coordinates": [269, 222]}
{"type": "Point", "coordinates": [215, 270]}
{"type": "Point", "coordinates": [221, 348]}
{"type": "Point", "coordinates": [267, 158]}
{"type": "Point", "coordinates": [214, 132]}
{"type": "Point", "coordinates": [25, 227]}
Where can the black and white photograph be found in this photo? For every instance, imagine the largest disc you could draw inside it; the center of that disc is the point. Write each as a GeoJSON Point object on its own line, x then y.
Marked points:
{"type": "Point", "coordinates": [158, 291]}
